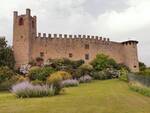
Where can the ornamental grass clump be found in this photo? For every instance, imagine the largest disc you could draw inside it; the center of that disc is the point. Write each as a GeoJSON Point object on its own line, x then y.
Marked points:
{"type": "Point", "coordinates": [70, 83]}
{"type": "Point", "coordinates": [28, 90]}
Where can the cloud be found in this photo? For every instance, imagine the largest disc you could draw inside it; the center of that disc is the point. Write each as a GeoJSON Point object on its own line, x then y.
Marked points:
{"type": "Point", "coordinates": [117, 19]}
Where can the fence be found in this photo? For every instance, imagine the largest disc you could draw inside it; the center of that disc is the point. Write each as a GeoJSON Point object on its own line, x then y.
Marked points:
{"type": "Point", "coordinates": [145, 80]}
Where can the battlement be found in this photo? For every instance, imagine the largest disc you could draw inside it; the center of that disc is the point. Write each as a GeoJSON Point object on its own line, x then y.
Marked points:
{"type": "Point", "coordinates": [28, 13]}
{"type": "Point", "coordinates": [130, 42]}
{"type": "Point", "coordinates": [66, 36]}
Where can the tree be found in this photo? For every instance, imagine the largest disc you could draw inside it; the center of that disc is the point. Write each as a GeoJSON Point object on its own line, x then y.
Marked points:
{"type": "Point", "coordinates": [102, 62]}
{"type": "Point", "coordinates": [6, 54]}
{"type": "Point", "coordinates": [142, 66]}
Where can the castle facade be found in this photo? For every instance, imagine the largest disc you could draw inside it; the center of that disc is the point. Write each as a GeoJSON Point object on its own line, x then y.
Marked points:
{"type": "Point", "coordinates": [28, 45]}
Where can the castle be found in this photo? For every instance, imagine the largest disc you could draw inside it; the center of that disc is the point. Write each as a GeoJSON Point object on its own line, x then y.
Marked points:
{"type": "Point", "coordinates": [27, 45]}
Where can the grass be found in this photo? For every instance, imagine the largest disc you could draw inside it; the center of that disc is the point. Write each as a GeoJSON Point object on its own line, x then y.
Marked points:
{"type": "Point", "coordinates": [110, 96]}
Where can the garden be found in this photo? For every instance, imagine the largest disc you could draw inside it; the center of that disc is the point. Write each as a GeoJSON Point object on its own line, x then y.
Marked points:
{"type": "Point", "coordinates": [66, 86]}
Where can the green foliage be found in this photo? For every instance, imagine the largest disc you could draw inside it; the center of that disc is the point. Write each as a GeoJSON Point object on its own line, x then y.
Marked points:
{"type": "Point", "coordinates": [142, 66]}
{"type": "Point", "coordinates": [37, 82]}
{"type": "Point", "coordinates": [7, 78]}
{"type": "Point", "coordinates": [84, 69]}
{"type": "Point", "coordinates": [123, 74]}
{"type": "Point", "coordinates": [62, 64]}
{"type": "Point", "coordinates": [40, 73]}
{"type": "Point", "coordinates": [102, 62]}
{"type": "Point", "coordinates": [5, 74]}
{"type": "Point", "coordinates": [105, 74]}
{"type": "Point", "coordinates": [140, 89]}
{"type": "Point", "coordinates": [6, 54]}
{"type": "Point", "coordinates": [146, 72]}
{"type": "Point", "coordinates": [3, 43]}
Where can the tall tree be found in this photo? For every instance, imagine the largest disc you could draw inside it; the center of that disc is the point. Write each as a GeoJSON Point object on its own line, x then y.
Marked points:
{"type": "Point", "coordinates": [6, 54]}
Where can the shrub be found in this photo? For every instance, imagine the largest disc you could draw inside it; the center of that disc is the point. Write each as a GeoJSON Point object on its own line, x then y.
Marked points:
{"type": "Point", "coordinates": [123, 74]}
{"type": "Point", "coordinates": [27, 90]}
{"type": "Point", "coordinates": [98, 75]}
{"type": "Point", "coordinates": [102, 62]}
{"type": "Point", "coordinates": [70, 83]}
{"type": "Point", "coordinates": [56, 78]}
{"type": "Point", "coordinates": [85, 79]}
{"type": "Point", "coordinates": [146, 72]}
{"type": "Point", "coordinates": [7, 78]}
{"type": "Point", "coordinates": [109, 73]}
{"type": "Point", "coordinates": [5, 74]}
{"type": "Point", "coordinates": [40, 73]}
{"type": "Point", "coordinates": [140, 89]}
{"type": "Point", "coordinates": [61, 64]}
{"type": "Point", "coordinates": [37, 82]}
{"type": "Point", "coordinates": [22, 79]}
{"type": "Point", "coordinates": [85, 69]}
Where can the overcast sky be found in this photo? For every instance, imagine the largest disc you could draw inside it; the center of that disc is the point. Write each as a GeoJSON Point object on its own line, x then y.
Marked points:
{"type": "Point", "coordinates": [120, 20]}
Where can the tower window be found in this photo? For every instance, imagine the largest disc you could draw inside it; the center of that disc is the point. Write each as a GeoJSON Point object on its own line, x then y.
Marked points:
{"type": "Point", "coordinates": [41, 54]}
{"type": "Point", "coordinates": [21, 21]}
{"type": "Point", "coordinates": [70, 55]}
{"type": "Point", "coordinates": [86, 56]}
{"type": "Point", "coordinates": [32, 24]}
{"type": "Point", "coordinates": [87, 46]}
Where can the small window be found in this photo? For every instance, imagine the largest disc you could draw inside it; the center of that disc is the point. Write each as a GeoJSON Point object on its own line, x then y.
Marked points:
{"type": "Point", "coordinates": [32, 24]}
{"type": "Point", "coordinates": [86, 56]}
{"type": "Point", "coordinates": [70, 55]}
{"type": "Point", "coordinates": [21, 21]}
{"type": "Point", "coordinates": [135, 66]}
{"type": "Point", "coordinates": [21, 37]}
{"type": "Point", "coordinates": [41, 54]}
{"type": "Point", "coordinates": [87, 46]}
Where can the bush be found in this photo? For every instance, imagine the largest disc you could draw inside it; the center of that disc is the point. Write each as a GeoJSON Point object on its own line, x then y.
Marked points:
{"type": "Point", "coordinates": [56, 78]}
{"type": "Point", "coordinates": [7, 78]}
{"type": "Point", "coordinates": [85, 79]}
{"type": "Point", "coordinates": [98, 75]}
{"type": "Point", "coordinates": [123, 74]}
{"type": "Point", "coordinates": [37, 82]}
{"type": "Point", "coordinates": [41, 74]}
{"type": "Point", "coordinates": [27, 90]}
{"type": "Point", "coordinates": [140, 89]}
{"type": "Point", "coordinates": [61, 64]}
{"type": "Point", "coordinates": [146, 72]}
{"type": "Point", "coordinates": [5, 74]}
{"type": "Point", "coordinates": [70, 83]}
{"type": "Point", "coordinates": [102, 62]}
{"type": "Point", "coordinates": [105, 74]}
{"type": "Point", "coordinates": [84, 69]}
{"type": "Point", "coordinates": [22, 79]}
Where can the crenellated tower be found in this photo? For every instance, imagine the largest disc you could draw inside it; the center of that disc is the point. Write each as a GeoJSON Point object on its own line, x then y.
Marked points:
{"type": "Point", "coordinates": [24, 30]}
{"type": "Point", "coordinates": [131, 55]}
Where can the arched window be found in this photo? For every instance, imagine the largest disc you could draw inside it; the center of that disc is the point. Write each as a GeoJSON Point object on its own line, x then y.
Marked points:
{"type": "Point", "coordinates": [21, 22]}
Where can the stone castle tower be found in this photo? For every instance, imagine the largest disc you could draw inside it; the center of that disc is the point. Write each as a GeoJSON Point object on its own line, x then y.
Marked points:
{"type": "Point", "coordinates": [28, 45]}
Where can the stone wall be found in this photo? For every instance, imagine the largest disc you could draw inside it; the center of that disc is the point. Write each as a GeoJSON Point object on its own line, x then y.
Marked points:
{"type": "Point", "coordinates": [28, 46]}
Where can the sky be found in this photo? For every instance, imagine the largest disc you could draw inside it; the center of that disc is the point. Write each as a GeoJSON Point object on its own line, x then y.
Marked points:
{"type": "Point", "coordinates": [119, 20]}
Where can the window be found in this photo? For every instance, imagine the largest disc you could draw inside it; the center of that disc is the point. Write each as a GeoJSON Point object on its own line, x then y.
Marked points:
{"type": "Point", "coordinates": [21, 21]}
{"type": "Point", "coordinates": [87, 46]}
{"type": "Point", "coordinates": [32, 24]}
{"type": "Point", "coordinates": [135, 66]}
{"type": "Point", "coordinates": [41, 54]}
{"type": "Point", "coordinates": [86, 56]}
{"type": "Point", "coordinates": [70, 55]}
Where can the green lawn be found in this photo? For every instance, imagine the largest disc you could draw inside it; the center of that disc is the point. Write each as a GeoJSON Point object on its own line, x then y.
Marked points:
{"type": "Point", "coordinates": [111, 96]}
